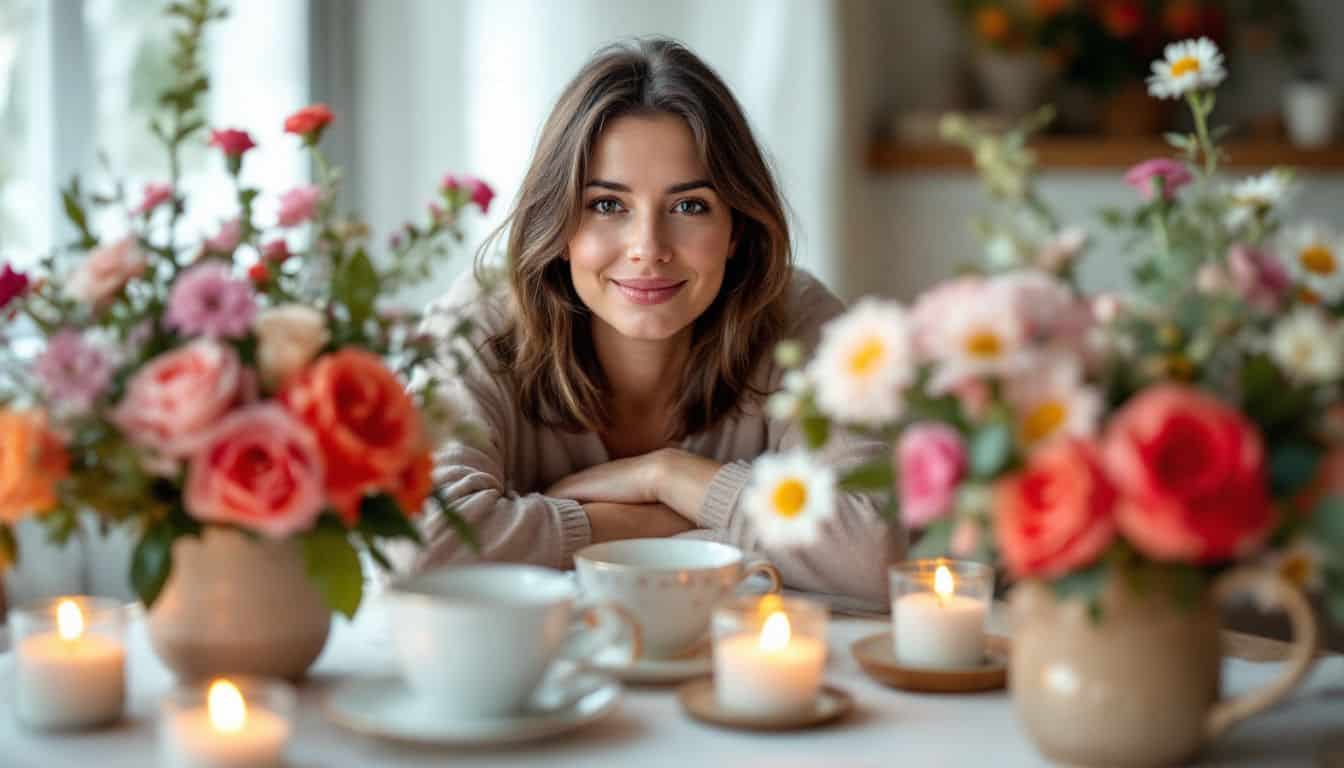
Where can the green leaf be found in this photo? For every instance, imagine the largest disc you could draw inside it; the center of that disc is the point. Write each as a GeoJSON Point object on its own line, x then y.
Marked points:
{"type": "Point", "coordinates": [9, 547]}
{"type": "Point", "coordinates": [75, 213]}
{"type": "Point", "coordinates": [1292, 467]}
{"type": "Point", "coordinates": [1327, 525]}
{"type": "Point", "coordinates": [816, 431]}
{"type": "Point", "coordinates": [459, 524]}
{"type": "Point", "coordinates": [356, 286]}
{"type": "Point", "coordinates": [991, 448]}
{"type": "Point", "coordinates": [380, 516]}
{"type": "Point", "coordinates": [873, 476]}
{"type": "Point", "coordinates": [152, 562]}
{"type": "Point", "coordinates": [333, 565]}
{"type": "Point", "coordinates": [1334, 594]}
{"type": "Point", "coordinates": [1182, 141]}
{"type": "Point", "coordinates": [936, 540]}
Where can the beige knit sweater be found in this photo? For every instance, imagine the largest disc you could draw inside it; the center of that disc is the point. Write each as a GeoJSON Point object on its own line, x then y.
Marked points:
{"type": "Point", "coordinates": [496, 481]}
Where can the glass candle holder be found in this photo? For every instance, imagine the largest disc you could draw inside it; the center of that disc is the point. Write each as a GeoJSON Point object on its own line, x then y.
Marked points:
{"type": "Point", "coordinates": [939, 609]}
{"type": "Point", "coordinates": [70, 662]}
{"type": "Point", "coordinates": [237, 722]}
{"type": "Point", "coordinates": [769, 653]}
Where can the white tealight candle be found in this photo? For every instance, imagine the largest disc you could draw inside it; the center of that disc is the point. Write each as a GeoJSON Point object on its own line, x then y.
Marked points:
{"type": "Point", "coordinates": [69, 678]}
{"type": "Point", "coordinates": [225, 733]}
{"type": "Point", "coordinates": [940, 629]}
{"type": "Point", "coordinates": [775, 673]}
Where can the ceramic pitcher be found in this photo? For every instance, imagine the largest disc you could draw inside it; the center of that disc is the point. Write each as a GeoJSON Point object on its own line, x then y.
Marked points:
{"type": "Point", "coordinates": [1139, 685]}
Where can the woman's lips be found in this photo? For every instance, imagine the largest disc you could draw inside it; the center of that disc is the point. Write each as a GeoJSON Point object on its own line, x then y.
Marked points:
{"type": "Point", "coordinates": [649, 291]}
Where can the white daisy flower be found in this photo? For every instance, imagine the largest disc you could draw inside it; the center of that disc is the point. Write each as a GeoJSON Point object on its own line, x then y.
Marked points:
{"type": "Point", "coordinates": [788, 498]}
{"type": "Point", "coordinates": [987, 337]}
{"type": "Point", "coordinates": [1314, 253]}
{"type": "Point", "coordinates": [864, 363]}
{"type": "Point", "coordinates": [1051, 400]}
{"type": "Point", "coordinates": [1257, 196]}
{"type": "Point", "coordinates": [1308, 347]}
{"type": "Point", "coordinates": [1187, 66]}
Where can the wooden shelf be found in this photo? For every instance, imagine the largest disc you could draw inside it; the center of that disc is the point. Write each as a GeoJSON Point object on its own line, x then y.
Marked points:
{"type": "Point", "coordinates": [1087, 153]}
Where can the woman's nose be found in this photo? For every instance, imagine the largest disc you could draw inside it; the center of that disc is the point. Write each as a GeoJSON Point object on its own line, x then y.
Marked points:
{"type": "Point", "coordinates": [648, 241]}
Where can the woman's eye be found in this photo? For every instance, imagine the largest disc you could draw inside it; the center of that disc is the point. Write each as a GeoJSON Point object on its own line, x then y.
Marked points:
{"type": "Point", "coordinates": [691, 207]}
{"type": "Point", "coordinates": [606, 206]}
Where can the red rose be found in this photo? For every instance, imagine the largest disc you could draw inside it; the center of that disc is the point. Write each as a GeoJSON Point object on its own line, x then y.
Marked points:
{"type": "Point", "coordinates": [309, 121]}
{"type": "Point", "coordinates": [258, 273]}
{"type": "Point", "coordinates": [414, 485]}
{"type": "Point", "coordinates": [233, 142]}
{"type": "Point", "coordinates": [1191, 475]}
{"type": "Point", "coordinates": [366, 425]}
{"type": "Point", "coordinates": [1056, 515]}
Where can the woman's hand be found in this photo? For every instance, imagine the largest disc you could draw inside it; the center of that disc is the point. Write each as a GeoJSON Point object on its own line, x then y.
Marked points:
{"type": "Point", "coordinates": [610, 522]}
{"type": "Point", "coordinates": [670, 476]}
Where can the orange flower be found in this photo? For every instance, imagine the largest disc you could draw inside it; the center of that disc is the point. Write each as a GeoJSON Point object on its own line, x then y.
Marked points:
{"type": "Point", "coordinates": [992, 24]}
{"type": "Point", "coordinates": [32, 462]}
{"type": "Point", "coordinates": [414, 485]}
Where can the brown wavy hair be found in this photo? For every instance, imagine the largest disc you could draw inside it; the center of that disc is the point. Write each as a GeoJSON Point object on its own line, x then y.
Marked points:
{"type": "Point", "coordinates": [547, 354]}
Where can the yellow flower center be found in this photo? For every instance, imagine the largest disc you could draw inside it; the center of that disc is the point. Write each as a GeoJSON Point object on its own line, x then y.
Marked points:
{"type": "Point", "coordinates": [789, 498]}
{"type": "Point", "coordinates": [866, 357]}
{"type": "Point", "coordinates": [1303, 352]}
{"type": "Point", "coordinates": [1308, 296]}
{"type": "Point", "coordinates": [1185, 66]}
{"type": "Point", "coordinates": [1317, 258]}
{"type": "Point", "coordinates": [1042, 421]}
{"type": "Point", "coordinates": [984, 343]}
{"type": "Point", "coordinates": [1296, 569]}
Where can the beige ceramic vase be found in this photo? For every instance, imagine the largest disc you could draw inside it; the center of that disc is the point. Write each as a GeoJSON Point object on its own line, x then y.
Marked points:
{"type": "Point", "coordinates": [234, 605]}
{"type": "Point", "coordinates": [1139, 687]}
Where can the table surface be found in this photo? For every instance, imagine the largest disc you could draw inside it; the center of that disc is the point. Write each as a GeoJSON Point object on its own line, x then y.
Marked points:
{"type": "Point", "coordinates": [648, 728]}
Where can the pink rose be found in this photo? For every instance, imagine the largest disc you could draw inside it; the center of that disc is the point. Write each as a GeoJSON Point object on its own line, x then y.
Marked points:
{"type": "Point", "coordinates": [232, 141]}
{"type": "Point", "coordinates": [229, 235]}
{"type": "Point", "coordinates": [1056, 515]}
{"type": "Point", "coordinates": [154, 196]}
{"type": "Point", "coordinates": [299, 205]}
{"type": "Point", "coordinates": [1144, 177]}
{"type": "Point", "coordinates": [260, 469]}
{"type": "Point", "coordinates": [275, 252]}
{"type": "Point", "coordinates": [479, 192]}
{"type": "Point", "coordinates": [1191, 474]}
{"type": "Point", "coordinates": [173, 401]}
{"type": "Point", "coordinates": [106, 271]}
{"type": "Point", "coordinates": [931, 460]}
{"type": "Point", "coordinates": [1259, 278]}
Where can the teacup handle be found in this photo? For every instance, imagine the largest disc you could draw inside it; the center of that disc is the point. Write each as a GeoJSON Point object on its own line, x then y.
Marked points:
{"type": "Point", "coordinates": [590, 617]}
{"type": "Point", "coordinates": [764, 566]}
{"type": "Point", "coordinates": [1306, 642]}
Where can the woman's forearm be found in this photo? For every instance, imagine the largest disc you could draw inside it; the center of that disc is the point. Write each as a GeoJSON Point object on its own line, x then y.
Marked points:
{"type": "Point", "coordinates": [611, 522]}
{"type": "Point", "coordinates": [682, 479]}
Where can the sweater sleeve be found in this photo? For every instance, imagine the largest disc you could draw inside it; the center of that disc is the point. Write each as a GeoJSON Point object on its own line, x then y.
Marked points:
{"type": "Point", "coordinates": [849, 555]}
{"type": "Point", "coordinates": [472, 474]}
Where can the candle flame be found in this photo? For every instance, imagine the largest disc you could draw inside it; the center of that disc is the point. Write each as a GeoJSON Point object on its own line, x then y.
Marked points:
{"type": "Point", "coordinates": [228, 713]}
{"type": "Point", "coordinates": [775, 634]}
{"type": "Point", "coordinates": [943, 583]}
{"type": "Point", "coordinates": [69, 620]}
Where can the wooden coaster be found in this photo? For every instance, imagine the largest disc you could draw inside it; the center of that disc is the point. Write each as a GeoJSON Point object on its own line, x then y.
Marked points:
{"type": "Point", "coordinates": [877, 657]}
{"type": "Point", "coordinates": [700, 702]}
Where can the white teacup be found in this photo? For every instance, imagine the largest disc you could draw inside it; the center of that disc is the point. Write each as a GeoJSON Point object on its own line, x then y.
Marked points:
{"type": "Point", "coordinates": [669, 586]}
{"type": "Point", "coordinates": [476, 641]}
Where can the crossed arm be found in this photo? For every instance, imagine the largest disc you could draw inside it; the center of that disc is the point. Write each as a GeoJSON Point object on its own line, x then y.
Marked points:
{"type": "Point", "coordinates": [656, 494]}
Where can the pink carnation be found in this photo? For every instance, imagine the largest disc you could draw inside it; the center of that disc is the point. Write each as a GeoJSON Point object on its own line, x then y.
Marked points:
{"type": "Point", "coordinates": [230, 234]}
{"type": "Point", "coordinates": [480, 192]}
{"type": "Point", "coordinates": [260, 468]}
{"type": "Point", "coordinates": [1143, 177]}
{"type": "Point", "coordinates": [299, 205]}
{"type": "Point", "coordinates": [154, 196]}
{"type": "Point", "coordinates": [232, 141]}
{"type": "Point", "coordinates": [1259, 278]}
{"type": "Point", "coordinates": [207, 300]}
{"type": "Point", "coordinates": [72, 372]}
{"type": "Point", "coordinates": [931, 461]}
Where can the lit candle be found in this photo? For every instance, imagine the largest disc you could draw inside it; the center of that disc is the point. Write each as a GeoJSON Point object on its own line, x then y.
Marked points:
{"type": "Point", "coordinates": [939, 629]}
{"type": "Point", "coordinates": [225, 733]}
{"type": "Point", "coordinates": [69, 678]}
{"type": "Point", "coordinates": [774, 673]}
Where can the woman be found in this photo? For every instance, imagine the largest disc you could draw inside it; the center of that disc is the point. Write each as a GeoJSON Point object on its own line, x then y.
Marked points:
{"type": "Point", "coordinates": [619, 373]}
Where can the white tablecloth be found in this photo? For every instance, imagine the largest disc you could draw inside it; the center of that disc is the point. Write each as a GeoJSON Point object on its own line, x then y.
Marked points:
{"type": "Point", "coordinates": [890, 728]}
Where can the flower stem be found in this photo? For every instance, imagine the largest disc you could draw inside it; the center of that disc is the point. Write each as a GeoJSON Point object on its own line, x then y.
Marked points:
{"type": "Point", "coordinates": [1201, 106]}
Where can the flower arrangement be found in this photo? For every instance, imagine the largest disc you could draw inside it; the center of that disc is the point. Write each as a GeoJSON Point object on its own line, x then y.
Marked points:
{"type": "Point", "coordinates": [251, 379]}
{"type": "Point", "coordinates": [1161, 434]}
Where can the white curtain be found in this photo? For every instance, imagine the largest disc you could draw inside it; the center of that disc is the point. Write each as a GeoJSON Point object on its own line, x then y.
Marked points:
{"type": "Point", "coordinates": [466, 85]}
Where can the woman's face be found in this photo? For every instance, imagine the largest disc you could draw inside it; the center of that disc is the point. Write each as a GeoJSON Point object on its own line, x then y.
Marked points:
{"type": "Point", "coordinates": [653, 237]}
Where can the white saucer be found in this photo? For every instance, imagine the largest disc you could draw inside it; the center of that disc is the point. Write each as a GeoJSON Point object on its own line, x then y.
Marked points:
{"type": "Point", "coordinates": [384, 706]}
{"type": "Point", "coordinates": [616, 663]}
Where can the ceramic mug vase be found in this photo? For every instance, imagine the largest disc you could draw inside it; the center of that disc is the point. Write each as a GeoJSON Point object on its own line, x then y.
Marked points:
{"type": "Point", "coordinates": [1138, 686]}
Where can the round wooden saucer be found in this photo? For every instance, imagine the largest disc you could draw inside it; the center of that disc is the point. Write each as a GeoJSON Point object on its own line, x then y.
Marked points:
{"type": "Point", "coordinates": [878, 658]}
{"type": "Point", "coordinates": [699, 701]}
